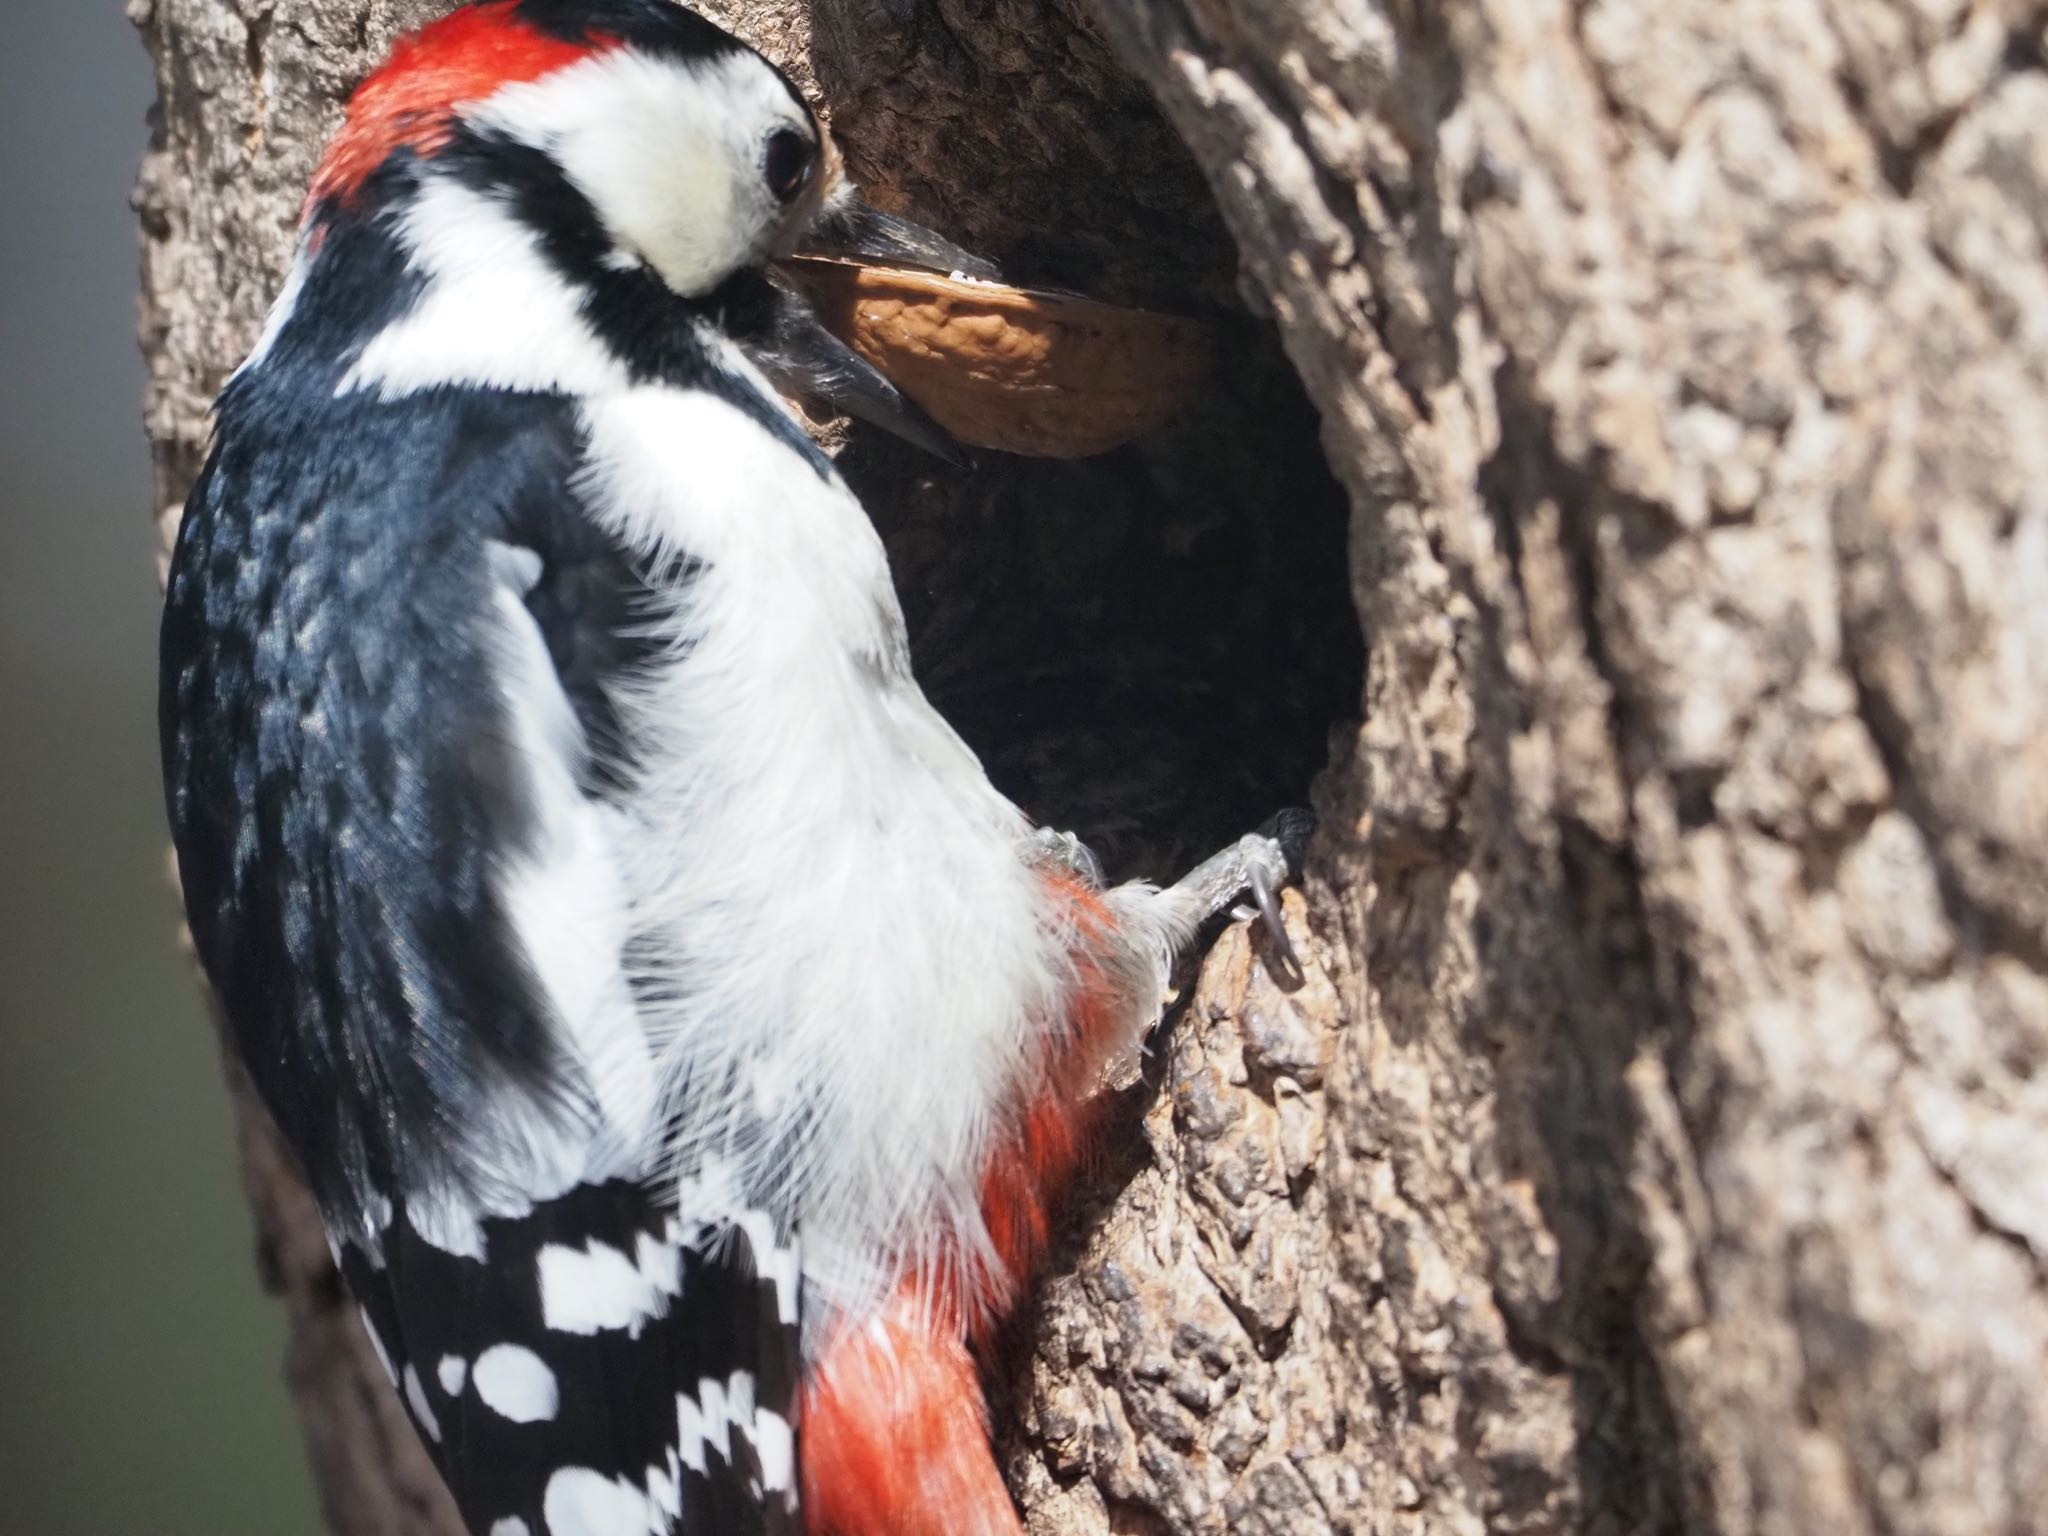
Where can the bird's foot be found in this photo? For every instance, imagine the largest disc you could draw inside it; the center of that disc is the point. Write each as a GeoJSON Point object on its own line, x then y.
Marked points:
{"type": "Point", "coordinates": [1258, 864]}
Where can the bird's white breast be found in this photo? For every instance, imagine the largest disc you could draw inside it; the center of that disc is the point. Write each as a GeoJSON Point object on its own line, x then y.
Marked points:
{"type": "Point", "coordinates": [838, 929]}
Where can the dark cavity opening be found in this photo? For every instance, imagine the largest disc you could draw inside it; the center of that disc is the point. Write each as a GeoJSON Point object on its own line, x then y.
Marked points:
{"type": "Point", "coordinates": [1149, 648]}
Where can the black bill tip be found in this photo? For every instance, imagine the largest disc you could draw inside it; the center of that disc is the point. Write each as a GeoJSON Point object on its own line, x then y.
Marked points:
{"type": "Point", "coordinates": [855, 230]}
{"type": "Point", "coordinates": [802, 358]}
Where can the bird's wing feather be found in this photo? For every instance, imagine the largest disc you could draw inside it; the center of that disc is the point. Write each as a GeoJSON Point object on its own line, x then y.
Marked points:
{"type": "Point", "coordinates": [393, 770]}
{"type": "Point", "coordinates": [595, 1370]}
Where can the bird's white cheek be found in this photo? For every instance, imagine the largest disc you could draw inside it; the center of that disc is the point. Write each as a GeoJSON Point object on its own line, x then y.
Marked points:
{"type": "Point", "coordinates": [695, 239]}
{"type": "Point", "coordinates": [676, 208]}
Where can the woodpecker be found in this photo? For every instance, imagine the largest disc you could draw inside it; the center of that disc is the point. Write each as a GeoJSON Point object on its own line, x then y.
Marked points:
{"type": "Point", "coordinates": [684, 1041]}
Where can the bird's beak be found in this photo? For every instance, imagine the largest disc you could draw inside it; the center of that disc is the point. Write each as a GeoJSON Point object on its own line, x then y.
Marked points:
{"type": "Point", "coordinates": [851, 229]}
{"type": "Point", "coordinates": [804, 359]}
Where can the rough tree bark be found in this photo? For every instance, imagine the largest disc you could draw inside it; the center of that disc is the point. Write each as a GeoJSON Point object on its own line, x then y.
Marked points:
{"type": "Point", "coordinates": [1658, 1142]}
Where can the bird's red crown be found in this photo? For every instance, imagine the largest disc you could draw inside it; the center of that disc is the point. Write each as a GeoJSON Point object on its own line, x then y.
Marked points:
{"type": "Point", "coordinates": [411, 102]}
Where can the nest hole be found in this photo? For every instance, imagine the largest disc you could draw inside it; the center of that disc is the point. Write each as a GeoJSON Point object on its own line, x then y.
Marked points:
{"type": "Point", "coordinates": [1149, 648]}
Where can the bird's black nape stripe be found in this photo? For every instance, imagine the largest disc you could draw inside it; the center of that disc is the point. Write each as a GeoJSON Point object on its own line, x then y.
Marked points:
{"type": "Point", "coordinates": [662, 27]}
{"type": "Point", "coordinates": [658, 26]}
{"type": "Point", "coordinates": [638, 317]}
{"type": "Point", "coordinates": [361, 281]}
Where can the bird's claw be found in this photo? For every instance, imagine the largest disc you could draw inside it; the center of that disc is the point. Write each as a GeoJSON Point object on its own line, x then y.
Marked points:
{"type": "Point", "coordinates": [1269, 912]}
{"type": "Point", "coordinates": [1260, 875]}
{"type": "Point", "coordinates": [1259, 863]}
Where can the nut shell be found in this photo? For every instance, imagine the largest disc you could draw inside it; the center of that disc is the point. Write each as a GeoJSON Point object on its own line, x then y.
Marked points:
{"type": "Point", "coordinates": [1014, 369]}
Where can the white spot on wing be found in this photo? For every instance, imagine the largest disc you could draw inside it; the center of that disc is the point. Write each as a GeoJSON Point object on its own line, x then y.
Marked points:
{"type": "Point", "coordinates": [377, 1215]}
{"type": "Point", "coordinates": [775, 1262]}
{"type": "Point", "coordinates": [690, 1437]}
{"type": "Point", "coordinates": [775, 1444]}
{"type": "Point", "coordinates": [597, 1287]}
{"type": "Point", "coordinates": [446, 1221]}
{"type": "Point", "coordinates": [517, 1383]}
{"type": "Point", "coordinates": [422, 1410]}
{"type": "Point", "coordinates": [377, 1344]}
{"type": "Point", "coordinates": [581, 1502]}
{"type": "Point", "coordinates": [453, 1371]}
{"type": "Point", "coordinates": [512, 1527]}
{"type": "Point", "coordinates": [705, 1423]}
{"type": "Point", "coordinates": [665, 1489]}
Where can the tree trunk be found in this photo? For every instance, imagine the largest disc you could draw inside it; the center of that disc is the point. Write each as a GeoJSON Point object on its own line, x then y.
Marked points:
{"type": "Point", "coordinates": [1658, 1141]}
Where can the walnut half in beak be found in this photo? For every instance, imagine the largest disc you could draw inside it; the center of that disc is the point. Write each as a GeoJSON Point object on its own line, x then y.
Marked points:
{"type": "Point", "coordinates": [896, 325]}
{"type": "Point", "coordinates": [1019, 370]}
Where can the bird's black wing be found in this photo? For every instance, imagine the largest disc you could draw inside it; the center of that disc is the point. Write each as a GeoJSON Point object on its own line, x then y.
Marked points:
{"type": "Point", "coordinates": [354, 775]}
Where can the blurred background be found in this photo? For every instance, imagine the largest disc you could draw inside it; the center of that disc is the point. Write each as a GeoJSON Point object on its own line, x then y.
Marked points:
{"type": "Point", "coordinates": [140, 1389]}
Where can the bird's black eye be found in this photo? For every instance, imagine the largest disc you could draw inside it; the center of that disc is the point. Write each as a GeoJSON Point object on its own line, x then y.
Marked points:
{"type": "Point", "coordinates": [788, 163]}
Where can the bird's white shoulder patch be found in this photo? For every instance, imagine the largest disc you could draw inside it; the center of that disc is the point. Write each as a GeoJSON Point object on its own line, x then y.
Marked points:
{"type": "Point", "coordinates": [494, 313]}
{"type": "Point", "coordinates": [567, 898]}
